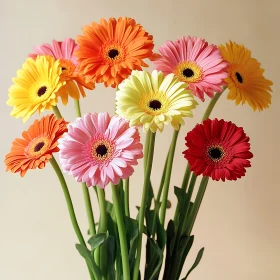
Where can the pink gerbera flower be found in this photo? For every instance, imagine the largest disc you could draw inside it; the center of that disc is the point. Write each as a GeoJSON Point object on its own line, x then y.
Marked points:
{"type": "Point", "coordinates": [99, 149]}
{"type": "Point", "coordinates": [195, 62]}
{"type": "Point", "coordinates": [58, 50]}
{"type": "Point", "coordinates": [64, 52]}
{"type": "Point", "coordinates": [218, 149]}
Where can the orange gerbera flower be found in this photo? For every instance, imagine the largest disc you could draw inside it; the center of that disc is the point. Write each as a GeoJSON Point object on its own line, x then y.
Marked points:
{"type": "Point", "coordinates": [72, 79]}
{"type": "Point", "coordinates": [246, 82]}
{"type": "Point", "coordinates": [109, 51]}
{"type": "Point", "coordinates": [36, 147]}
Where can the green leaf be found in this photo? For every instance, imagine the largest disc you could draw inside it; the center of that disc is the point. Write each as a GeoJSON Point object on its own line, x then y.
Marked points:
{"type": "Point", "coordinates": [109, 207]}
{"type": "Point", "coordinates": [131, 229]}
{"type": "Point", "coordinates": [154, 252]}
{"type": "Point", "coordinates": [111, 257]}
{"type": "Point", "coordinates": [188, 247]}
{"type": "Point", "coordinates": [150, 196]}
{"type": "Point", "coordinates": [112, 228]}
{"type": "Point", "coordinates": [161, 234]}
{"type": "Point", "coordinates": [170, 234]}
{"type": "Point", "coordinates": [149, 215]}
{"type": "Point", "coordinates": [86, 254]}
{"type": "Point", "coordinates": [196, 262]}
{"type": "Point", "coordinates": [132, 252]}
{"type": "Point", "coordinates": [182, 205]}
{"type": "Point", "coordinates": [155, 255]}
{"type": "Point", "coordinates": [98, 239]}
{"type": "Point", "coordinates": [132, 233]}
{"type": "Point", "coordinates": [185, 246]}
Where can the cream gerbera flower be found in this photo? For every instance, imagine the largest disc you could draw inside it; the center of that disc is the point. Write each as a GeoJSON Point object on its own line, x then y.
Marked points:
{"type": "Point", "coordinates": [35, 87]}
{"type": "Point", "coordinates": [153, 100]}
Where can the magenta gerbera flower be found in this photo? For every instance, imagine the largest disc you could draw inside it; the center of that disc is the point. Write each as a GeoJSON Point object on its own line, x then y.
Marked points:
{"type": "Point", "coordinates": [99, 149]}
{"type": "Point", "coordinates": [218, 149]}
{"type": "Point", "coordinates": [195, 62]}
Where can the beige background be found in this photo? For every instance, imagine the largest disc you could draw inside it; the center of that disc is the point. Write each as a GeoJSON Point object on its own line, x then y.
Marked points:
{"type": "Point", "coordinates": [238, 222]}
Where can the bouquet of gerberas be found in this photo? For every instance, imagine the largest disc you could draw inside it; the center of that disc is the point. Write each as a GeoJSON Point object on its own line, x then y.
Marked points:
{"type": "Point", "coordinates": [98, 149]}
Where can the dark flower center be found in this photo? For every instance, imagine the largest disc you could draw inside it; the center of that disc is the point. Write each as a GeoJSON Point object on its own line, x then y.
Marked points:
{"type": "Point", "coordinates": [101, 150]}
{"type": "Point", "coordinates": [215, 153]}
{"type": "Point", "coordinates": [63, 68]}
{"type": "Point", "coordinates": [188, 73]}
{"type": "Point", "coordinates": [239, 78]}
{"type": "Point", "coordinates": [155, 105]}
{"type": "Point", "coordinates": [113, 53]}
{"type": "Point", "coordinates": [39, 146]}
{"type": "Point", "coordinates": [42, 90]}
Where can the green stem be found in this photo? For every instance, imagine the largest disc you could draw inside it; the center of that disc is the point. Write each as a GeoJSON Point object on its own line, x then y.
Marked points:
{"type": "Point", "coordinates": [186, 178]}
{"type": "Point", "coordinates": [206, 115]}
{"type": "Point", "coordinates": [184, 187]}
{"type": "Point", "coordinates": [176, 258]}
{"type": "Point", "coordinates": [89, 211]}
{"type": "Point", "coordinates": [168, 176]}
{"type": "Point", "coordinates": [196, 205]}
{"type": "Point", "coordinates": [57, 112]}
{"type": "Point", "coordinates": [70, 207]}
{"type": "Point", "coordinates": [68, 201]}
{"type": "Point", "coordinates": [77, 108]}
{"type": "Point", "coordinates": [188, 201]}
{"type": "Point", "coordinates": [148, 170]}
{"type": "Point", "coordinates": [190, 215]}
{"type": "Point", "coordinates": [122, 233]}
{"type": "Point", "coordinates": [102, 228]}
{"type": "Point", "coordinates": [126, 197]}
{"type": "Point", "coordinates": [211, 105]}
{"type": "Point", "coordinates": [146, 149]}
{"type": "Point", "coordinates": [157, 201]}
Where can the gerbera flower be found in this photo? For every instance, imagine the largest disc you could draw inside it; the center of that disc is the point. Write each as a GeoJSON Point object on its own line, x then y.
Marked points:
{"type": "Point", "coordinates": [109, 51]}
{"type": "Point", "coordinates": [99, 149]}
{"type": "Point", "coordinates": [36, 146]}
{"type": "Point", "coordinates": [35, 87]}
{"type": "Point", "coordinates": [218, 149]}
{"type": "Point", "coordinates": [153, 100]}
{"type": "Point", "coordinates": [195, 62]}
{"type": "Point", "coordinates": [246, 82]}
{"type": "Point", "coordinates": [74, 82]}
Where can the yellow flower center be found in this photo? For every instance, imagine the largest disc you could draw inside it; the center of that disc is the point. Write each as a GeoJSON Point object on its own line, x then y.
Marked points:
{"type": "Point", "coordinates": [154, 103]}
{"type": "Point", "coordinates": [189, 72]}
{"type": "Point", "coordinates": [101, 150]}
{"type": "Point", "coordinates": [215, 153]}
{"type": "Point", "coordinates": [113, 53]}
{"type": "Point", "coordinates": [38, 146]}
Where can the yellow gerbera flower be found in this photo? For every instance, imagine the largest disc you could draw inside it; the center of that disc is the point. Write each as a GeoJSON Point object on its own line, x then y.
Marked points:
{"type": "Point", "coordinates": [153, 100]}
{"type": "Point", "coordinates": [35, 87]}
{"type": "Point", "coordinates": [246, 82]}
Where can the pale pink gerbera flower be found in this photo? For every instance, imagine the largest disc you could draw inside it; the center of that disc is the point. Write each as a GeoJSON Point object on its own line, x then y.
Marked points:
{"type": "Point", "coordinates": [99, 149]}
{"type": "Point", "coordinates": [195, 62]}
{"type": "Point", "coordinates": [64, 52]}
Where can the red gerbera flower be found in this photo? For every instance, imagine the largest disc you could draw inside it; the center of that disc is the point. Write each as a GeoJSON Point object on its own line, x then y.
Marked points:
{"type": "Point", "coordinates": [218, 149]}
